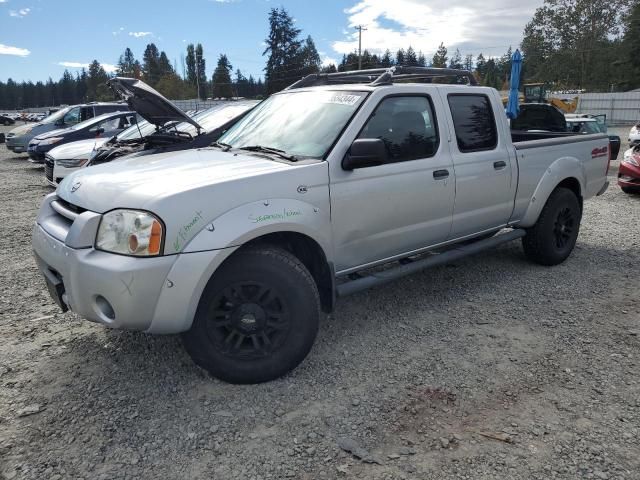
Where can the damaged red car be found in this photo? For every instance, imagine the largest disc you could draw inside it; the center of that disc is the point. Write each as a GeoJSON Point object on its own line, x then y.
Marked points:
{"type": "Point", "coordinates": [629, 172]}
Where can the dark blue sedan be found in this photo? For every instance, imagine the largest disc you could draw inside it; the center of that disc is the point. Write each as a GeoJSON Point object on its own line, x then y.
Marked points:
{"type": "Point", "coordinates": [106, 125]}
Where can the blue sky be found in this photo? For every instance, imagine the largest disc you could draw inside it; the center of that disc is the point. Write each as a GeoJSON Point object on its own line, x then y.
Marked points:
{"type": "Point", "coordinates": [38, 38]}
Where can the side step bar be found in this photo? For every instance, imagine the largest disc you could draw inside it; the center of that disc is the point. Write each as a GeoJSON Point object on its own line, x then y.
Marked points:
{"type": "Point", "coordinates": [385, 276]}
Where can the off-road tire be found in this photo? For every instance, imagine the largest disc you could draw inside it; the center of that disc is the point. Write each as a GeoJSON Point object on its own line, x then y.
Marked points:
{"type": "Point", "coordinates": [288, 315]}
{"type": "Point", "coordinates": [552, 239]}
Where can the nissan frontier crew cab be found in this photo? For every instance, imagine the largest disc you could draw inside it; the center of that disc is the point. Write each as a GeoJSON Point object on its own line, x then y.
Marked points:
{"type": "Point", "coordinates": [339, 183]}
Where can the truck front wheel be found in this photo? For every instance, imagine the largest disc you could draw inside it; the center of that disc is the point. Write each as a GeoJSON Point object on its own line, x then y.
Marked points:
{"type": "Point", "coordinates": [551, 240]}
{"type": "Point", "coordinates": [257, 318]}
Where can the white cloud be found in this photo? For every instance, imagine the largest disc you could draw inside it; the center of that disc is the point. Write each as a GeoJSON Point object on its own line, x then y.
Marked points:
{"type": "Point", "coordinates": [139, 34]}
{"type": "Point", "coordinates": [4, 1]}
{"type": "Point", "coordinates": [107, 66]}
{"type": "Point", "coordinates": [23, 12]}
{"type": "Point", "coordinates": [473, 27]}
{"type": "Point", "coordinates": [8, 50]}
{"type": "Point", "coordinates": [327, 60]}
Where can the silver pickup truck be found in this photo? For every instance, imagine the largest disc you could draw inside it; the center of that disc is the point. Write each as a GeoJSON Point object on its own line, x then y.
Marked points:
{"type": "Point", "coordinates": [339, 183]}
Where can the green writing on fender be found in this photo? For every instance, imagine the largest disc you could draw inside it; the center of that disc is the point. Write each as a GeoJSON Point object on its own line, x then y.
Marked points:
{"type": "Point", "coordinates": [274, 216]}
{"type": "Point", "coordinates": [183, 233]}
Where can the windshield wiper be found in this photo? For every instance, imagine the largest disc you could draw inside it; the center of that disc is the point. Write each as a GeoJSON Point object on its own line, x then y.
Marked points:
{"type": "Point", "coordinates": [224, 146]}
{"type": "Point", "coordinates": [271, 150]}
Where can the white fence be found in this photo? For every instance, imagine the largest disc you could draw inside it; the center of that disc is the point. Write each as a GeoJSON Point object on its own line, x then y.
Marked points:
{"type": "Point", "coordinates": [620, 108]}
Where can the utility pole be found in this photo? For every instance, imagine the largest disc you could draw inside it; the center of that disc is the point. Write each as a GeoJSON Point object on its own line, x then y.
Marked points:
{"type": "Point", "coordinates": [360, 28]}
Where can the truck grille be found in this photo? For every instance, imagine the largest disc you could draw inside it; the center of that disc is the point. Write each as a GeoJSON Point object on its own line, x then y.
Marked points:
{"type": "Point", "coordinates": [48, 167]}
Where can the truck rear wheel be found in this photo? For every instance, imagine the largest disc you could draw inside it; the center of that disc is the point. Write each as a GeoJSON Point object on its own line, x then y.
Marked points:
{"type": "Point", "coordinates": [551, 240]}
{"type": "Point", "coordinates": [257, 318]}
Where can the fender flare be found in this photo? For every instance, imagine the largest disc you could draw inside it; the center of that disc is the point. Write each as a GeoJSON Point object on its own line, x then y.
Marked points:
{"type": "Point", "coordinates": [562, 169]}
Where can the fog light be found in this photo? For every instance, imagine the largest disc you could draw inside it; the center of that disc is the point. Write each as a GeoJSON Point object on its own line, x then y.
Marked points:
{"type": "Point", "coordinates": [105, 307]}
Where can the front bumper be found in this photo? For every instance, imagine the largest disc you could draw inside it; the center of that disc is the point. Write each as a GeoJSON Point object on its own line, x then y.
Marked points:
{"type": "Point", "coordinates": [155, 295]}
{"type": "Point", "coordinates": [628, 175]}
{"type": "Point", "coordinates": [37, 154]}
{"type": "Point", "coordinates": [16, 144]}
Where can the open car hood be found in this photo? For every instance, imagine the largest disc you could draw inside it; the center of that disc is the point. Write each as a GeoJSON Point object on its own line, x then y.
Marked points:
{"type": "Point", "coordinates": [147, 102]}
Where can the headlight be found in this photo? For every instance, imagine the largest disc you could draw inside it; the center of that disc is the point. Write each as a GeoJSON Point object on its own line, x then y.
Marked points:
{"type": "Point", "coordinates": [50, 141]}
{"type": "Point", "coordinates": [72, 162]}
{"type": "Point", "coordinates": [130, 232]}
{"type": "Point", "coordinates": [632, 160]}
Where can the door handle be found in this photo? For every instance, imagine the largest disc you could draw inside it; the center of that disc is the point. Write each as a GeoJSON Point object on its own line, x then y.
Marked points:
{"type": "Point", "coordinates": [440, 174]}
{"type": "Point", "coordinates": [499, 165]}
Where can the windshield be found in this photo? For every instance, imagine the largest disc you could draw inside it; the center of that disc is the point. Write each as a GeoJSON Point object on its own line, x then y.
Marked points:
{"type": "Point", "coordinates": [304, 123]}
{"type": "Point", "coordinates": [56, 116]}
{"type": "Point", "coordinates": [141, 130]}
{"type": "Point", "coordinates": [214, 117]}
{"type": "Point", "coordinates": [92, 121]}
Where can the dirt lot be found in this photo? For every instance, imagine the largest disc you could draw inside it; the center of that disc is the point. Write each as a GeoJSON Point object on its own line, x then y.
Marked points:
{"type": "Point", "coordinates": [488, 368]}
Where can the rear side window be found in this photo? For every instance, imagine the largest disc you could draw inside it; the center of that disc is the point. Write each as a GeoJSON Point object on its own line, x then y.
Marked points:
{"type": "Point", "coordinates": [100, 109]}
{"type": "Point", "coordinates": [473, 122]}
{"type": "Point", "coordinates": [406, 125]}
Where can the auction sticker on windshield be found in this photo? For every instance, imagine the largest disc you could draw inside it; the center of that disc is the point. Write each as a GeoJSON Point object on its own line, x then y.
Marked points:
{"type": "Point", "coordinates": [343, 99]}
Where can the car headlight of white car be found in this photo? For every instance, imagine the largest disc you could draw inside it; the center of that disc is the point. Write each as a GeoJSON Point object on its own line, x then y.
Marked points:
{"type": "Point", "coordinates": [50, 141]}
{"type": "Point", "coordinates": [130, 232]}
{"type": "Point", "coordinates": [72, 162]}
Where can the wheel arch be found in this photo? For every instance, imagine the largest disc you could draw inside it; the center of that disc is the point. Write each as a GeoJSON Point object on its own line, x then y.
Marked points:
{"type": "Point", "coordinates": [310, 253]}
{"type": "Point", "coordinates": [565, 172]}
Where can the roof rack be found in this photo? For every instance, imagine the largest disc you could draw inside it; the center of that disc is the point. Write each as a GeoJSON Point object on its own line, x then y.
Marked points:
{"type": "Point", "coordinates": [385, 76]}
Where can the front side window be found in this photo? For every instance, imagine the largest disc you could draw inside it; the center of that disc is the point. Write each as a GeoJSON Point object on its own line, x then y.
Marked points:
{"type": "Point", "coordinates": [300, 123]}
{"type": "Point", "coordinates": [72, 116]}
{"type": "Point", "coordinates": [473, 122]}
{"type": "Point", "coordinates": [407, 127]}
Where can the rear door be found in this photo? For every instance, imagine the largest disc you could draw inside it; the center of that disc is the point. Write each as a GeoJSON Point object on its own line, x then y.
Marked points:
{"type": "Point", "coordinates": [384, 211]}
{"type": "Point", "coordinates": [484, 183]}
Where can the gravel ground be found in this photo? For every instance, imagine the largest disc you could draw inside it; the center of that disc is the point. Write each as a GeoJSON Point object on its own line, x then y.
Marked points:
{"type": "Point", "coordinates": [488, 368]}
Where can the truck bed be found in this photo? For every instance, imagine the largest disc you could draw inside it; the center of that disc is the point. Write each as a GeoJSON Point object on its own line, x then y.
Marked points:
{"type": "Point", "coordinates": [543, 154]}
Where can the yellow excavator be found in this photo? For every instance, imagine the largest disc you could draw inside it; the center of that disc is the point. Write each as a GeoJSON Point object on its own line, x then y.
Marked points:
{"type": "Point", "coordinates": [537, 93]}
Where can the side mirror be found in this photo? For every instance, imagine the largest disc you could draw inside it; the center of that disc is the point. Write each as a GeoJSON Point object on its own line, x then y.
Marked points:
{"type": "Point", "coordinates": [365, 152]}
{"type": "Point", "coordinates": [99, 131]}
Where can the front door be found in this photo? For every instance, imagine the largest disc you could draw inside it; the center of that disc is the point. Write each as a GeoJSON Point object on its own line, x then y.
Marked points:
{"type": "Point", "coordinates": [384, 211]}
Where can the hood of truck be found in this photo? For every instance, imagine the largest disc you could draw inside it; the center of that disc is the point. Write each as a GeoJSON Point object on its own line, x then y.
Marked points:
{"type": "Point", "coordinates": [79, 149]}
{"type": "Point", "coordinates": [142, 182]}
{"type": "Point", "coordinates": [147, 102]}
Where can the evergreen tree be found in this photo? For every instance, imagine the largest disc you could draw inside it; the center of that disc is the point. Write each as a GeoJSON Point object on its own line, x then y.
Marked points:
{"type": "Point", "coordinates": [400, 57]}
{"type": "Point", "coordinates": [97, 78]}
{"type": "Point", "coordinates": [190, 61]}
{"type": "Point", "coordinates": [150, 67]}
{"type": "Point", "coordinates": [456, 60]}
{"type": "Point", "coordinates": [201, 71]}
{"type": "Point", "coordinates": [283, 50]}
{"type": "Point", "coordinates": [222, 85]}
{"type": "Point", "coordinates": [481, 68]}
{"type": "Point", "coordinates": [386, 60]}
{"type": "Point", "coordinates": [127, 64]}
{"type": "Point", "coordinates": [422, 61]}
{"type": "Point", "coordinates": [164, 65]}
{"type": "Point", "coordinates": [411, 57]}
{"type": "Point", "coordinates": [468, 62]}
{"type": "Point", "coordinates": [311, 61]}
{"type": "Point", "coordinates": [440, 57]}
